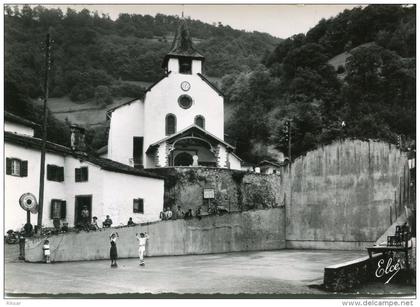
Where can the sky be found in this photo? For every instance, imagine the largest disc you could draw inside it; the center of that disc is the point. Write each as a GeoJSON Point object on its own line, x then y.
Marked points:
{"type": "Point", "coordinates": [281, 20]}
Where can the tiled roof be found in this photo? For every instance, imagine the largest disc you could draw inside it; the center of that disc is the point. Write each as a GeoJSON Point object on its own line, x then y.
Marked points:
{"type": "Point", "coordinates": [19, 120]}
{"type": "Point", "coordinates": [106, 164]}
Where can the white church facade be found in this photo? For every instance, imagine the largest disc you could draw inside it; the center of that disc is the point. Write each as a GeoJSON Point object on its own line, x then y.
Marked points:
{"type": "Point", "coordinates": [180, 121]}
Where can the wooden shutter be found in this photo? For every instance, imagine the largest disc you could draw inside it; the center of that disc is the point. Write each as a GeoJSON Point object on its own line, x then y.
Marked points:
{"type": "Point", "coordinates": [52, 209]}
{"type": "Point", "coordinates": [141, 205]}
{"type": "Point", "coordinates": [63, 210]}
{"type": "Point", "coordinates": [84, 174]}
{"type": "Point", "coordinates": [8, 166]}
{"type": "Point", "coordinates": [61, 174]}
{"type": "Point", "coordinates": [78, 174]}
{"type": "Point", "coordinates": [23, 168]}
{"type": "Point", "coordinates": [49, 172]}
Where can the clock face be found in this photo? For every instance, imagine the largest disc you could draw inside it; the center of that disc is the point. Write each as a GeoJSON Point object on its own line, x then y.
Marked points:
{"type": "Point", "coordinates": [185, 86]}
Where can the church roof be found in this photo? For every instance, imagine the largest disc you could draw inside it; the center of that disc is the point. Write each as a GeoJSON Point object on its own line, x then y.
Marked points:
{"type": "Point", "coordinates": [182, 46]}
{"type": "Point", "coordinates": [187, 130]}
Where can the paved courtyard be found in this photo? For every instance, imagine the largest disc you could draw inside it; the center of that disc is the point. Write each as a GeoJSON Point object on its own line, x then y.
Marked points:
{"type": "Point", "coordinates": [267, 272]}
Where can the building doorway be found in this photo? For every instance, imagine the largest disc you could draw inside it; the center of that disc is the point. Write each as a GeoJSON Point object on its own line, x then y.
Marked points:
{"type": "Point", "coordinates": [81, 202]}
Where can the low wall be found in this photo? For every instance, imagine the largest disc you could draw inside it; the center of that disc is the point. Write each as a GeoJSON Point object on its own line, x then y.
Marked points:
{"type": "Point", "coordinates": [245, 231]}
{"type": "Point", "coordinates": [349, 275]}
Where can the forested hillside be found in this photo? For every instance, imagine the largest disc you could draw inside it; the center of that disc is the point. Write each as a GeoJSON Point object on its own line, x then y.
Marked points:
{"type": "Point", "coordinates": [371, 96]}
{"type": "Point", "coordinates": [266, 81]}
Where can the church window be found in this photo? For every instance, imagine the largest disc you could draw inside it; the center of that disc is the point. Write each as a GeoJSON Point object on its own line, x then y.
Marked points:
{"type": "Point", "coordinates": [185, 66]}
{"type": "Point", "coordinates": [185, 101]}
{"type": "Point", "coordinates": [170, 124]}
{"type": "Point", "coordinates": [200, 121]}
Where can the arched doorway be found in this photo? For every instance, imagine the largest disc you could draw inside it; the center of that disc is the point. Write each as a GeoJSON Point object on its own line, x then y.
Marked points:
{"type": "Point", "coordinates": [183, 159]}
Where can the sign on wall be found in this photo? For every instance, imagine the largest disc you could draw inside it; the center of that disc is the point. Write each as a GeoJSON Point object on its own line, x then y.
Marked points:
{"type": "Point", "coordinates": [208, 193]}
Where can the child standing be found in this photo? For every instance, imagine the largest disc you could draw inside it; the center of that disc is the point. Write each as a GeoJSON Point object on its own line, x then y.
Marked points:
{"type": "Point", "coordinates": [142, 245]}
{"type": "Point", "coordinates": [113, 250]}
{"type": "Point", "coordinates": [46, 250]}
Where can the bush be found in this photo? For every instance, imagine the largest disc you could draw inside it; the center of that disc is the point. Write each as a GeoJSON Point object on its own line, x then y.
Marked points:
{"type": "Point", "coordinates": [103, 95]}
{"type": "Point", "coordinates": [81, 92]}
{"type": "Point", "coordinates": [127, 90]}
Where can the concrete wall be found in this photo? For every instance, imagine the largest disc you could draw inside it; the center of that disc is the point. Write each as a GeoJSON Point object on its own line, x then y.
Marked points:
{"type": "Point", "coordinates": [245, 231]}
{"type": "Point", "coordinates": [235, 190]}
{"type": "Point", "coordinates": [342, 195]}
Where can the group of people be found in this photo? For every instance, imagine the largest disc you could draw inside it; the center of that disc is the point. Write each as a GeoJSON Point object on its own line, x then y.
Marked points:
{"type": "Point", "coordinates": [87, 225]}
{"type": "Point", "coordinates": [142, 239]}
{"type": "Point", "coordinates": [168, 214]}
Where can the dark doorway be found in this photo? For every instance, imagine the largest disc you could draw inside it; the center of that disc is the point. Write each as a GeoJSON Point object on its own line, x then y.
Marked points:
{"type": "Point", "coordinates": [81, 201]}
{"type": "Point", "coordinates": [183, 159]}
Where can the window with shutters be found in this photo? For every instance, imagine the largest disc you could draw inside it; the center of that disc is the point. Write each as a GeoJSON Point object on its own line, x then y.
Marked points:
{"type": "Point", "coordinates": [81, 174]}
{"type": "Point", "coordinates": [200, 121]}
{"type": "Point", "coordinates": [16, 167]}
{"type": "Point", "coordinates": [58, 209]}
{"type": "Point", "coordinates": [170, 124]}
{"type": "Point", "coordinates": [55, 173]}
{"type": "Point", "coordinates": [138, 205]}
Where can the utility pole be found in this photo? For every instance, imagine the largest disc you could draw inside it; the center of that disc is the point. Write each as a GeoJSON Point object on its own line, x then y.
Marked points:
{"type": "Point", "coordinates": [290, 141]}
{"type": "Point", "coordinates": [44, 130]}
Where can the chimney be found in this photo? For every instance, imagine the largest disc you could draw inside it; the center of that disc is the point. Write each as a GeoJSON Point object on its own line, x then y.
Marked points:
{"type": "Point", "coordinates": [77, 138]}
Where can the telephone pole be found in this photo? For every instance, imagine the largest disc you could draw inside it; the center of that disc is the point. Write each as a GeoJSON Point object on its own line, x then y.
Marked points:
{"type": "Point", "coordinates": [290, 141]}
{"type": "Point", "coordinates": [48, 43]}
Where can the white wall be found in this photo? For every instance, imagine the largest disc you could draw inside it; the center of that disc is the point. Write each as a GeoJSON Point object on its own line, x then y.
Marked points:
{"type": "Point", "coordinates": [18, 128]}
{"type": "Point", "coordinates": [119, 190]}
{"type": "Point", "coordinates": [15, 216]}
{"type": "Point", "coordinates": [163, 99]}
{"type": "Point", "coordinates": [235, 163]}
{"type": "Point", "coordinates": [126, 122]}
{"type": "Point", "coordinates": [112, 193]}
{"type": "Point", "coordinates": [94, 187]}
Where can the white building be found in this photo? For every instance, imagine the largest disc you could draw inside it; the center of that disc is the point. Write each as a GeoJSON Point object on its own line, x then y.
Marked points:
{"type": "Point", "coordinates": [73, 179]}
{"type": "Point", "coordinates": [180, 122]}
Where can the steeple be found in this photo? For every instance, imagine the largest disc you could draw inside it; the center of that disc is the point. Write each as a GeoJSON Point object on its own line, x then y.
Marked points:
{"type": "Point", "coordinates": [182, 46]}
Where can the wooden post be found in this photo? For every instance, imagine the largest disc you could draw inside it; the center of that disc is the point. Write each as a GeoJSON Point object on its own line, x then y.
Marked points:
{"type": "Point", "coordinates": [44, 130]}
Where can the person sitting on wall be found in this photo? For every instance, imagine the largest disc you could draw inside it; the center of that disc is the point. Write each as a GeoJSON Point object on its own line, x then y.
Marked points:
{"type": "Point", "coordinates": [85, 218]}
{"type": "Point", "coordinates": [107, 223]}
{"type": "Point", "coordinates": [28, 230]}
{"type": "Point", "coordinates": [94, 225]}
{"type": "Point", "coordinates": [168, 213]}
{"type": "Point", "coordinates": [198, 213]}
{"type": "Point", "coordinates": [178, 214]}
{"type": "Point", "coordinates": [189, 214]}
{"type": "Point", "coordinates": [130, 222]}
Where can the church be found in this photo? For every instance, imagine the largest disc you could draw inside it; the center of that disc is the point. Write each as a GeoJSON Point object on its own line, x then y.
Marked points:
{"type": "Point", "coordinates": [180, 121]}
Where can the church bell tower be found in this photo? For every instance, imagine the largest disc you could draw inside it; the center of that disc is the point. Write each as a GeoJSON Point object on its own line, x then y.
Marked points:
{"type": "Point", "coordinates": [183, 58]}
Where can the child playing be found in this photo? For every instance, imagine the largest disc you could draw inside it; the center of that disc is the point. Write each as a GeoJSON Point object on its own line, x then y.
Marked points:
{"type": "Point", "coordinates": [113, 250]}
{"type": "Point", "coordinates": [46, 249]}
{"type": "Point", "coordinates": [142, 245]}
